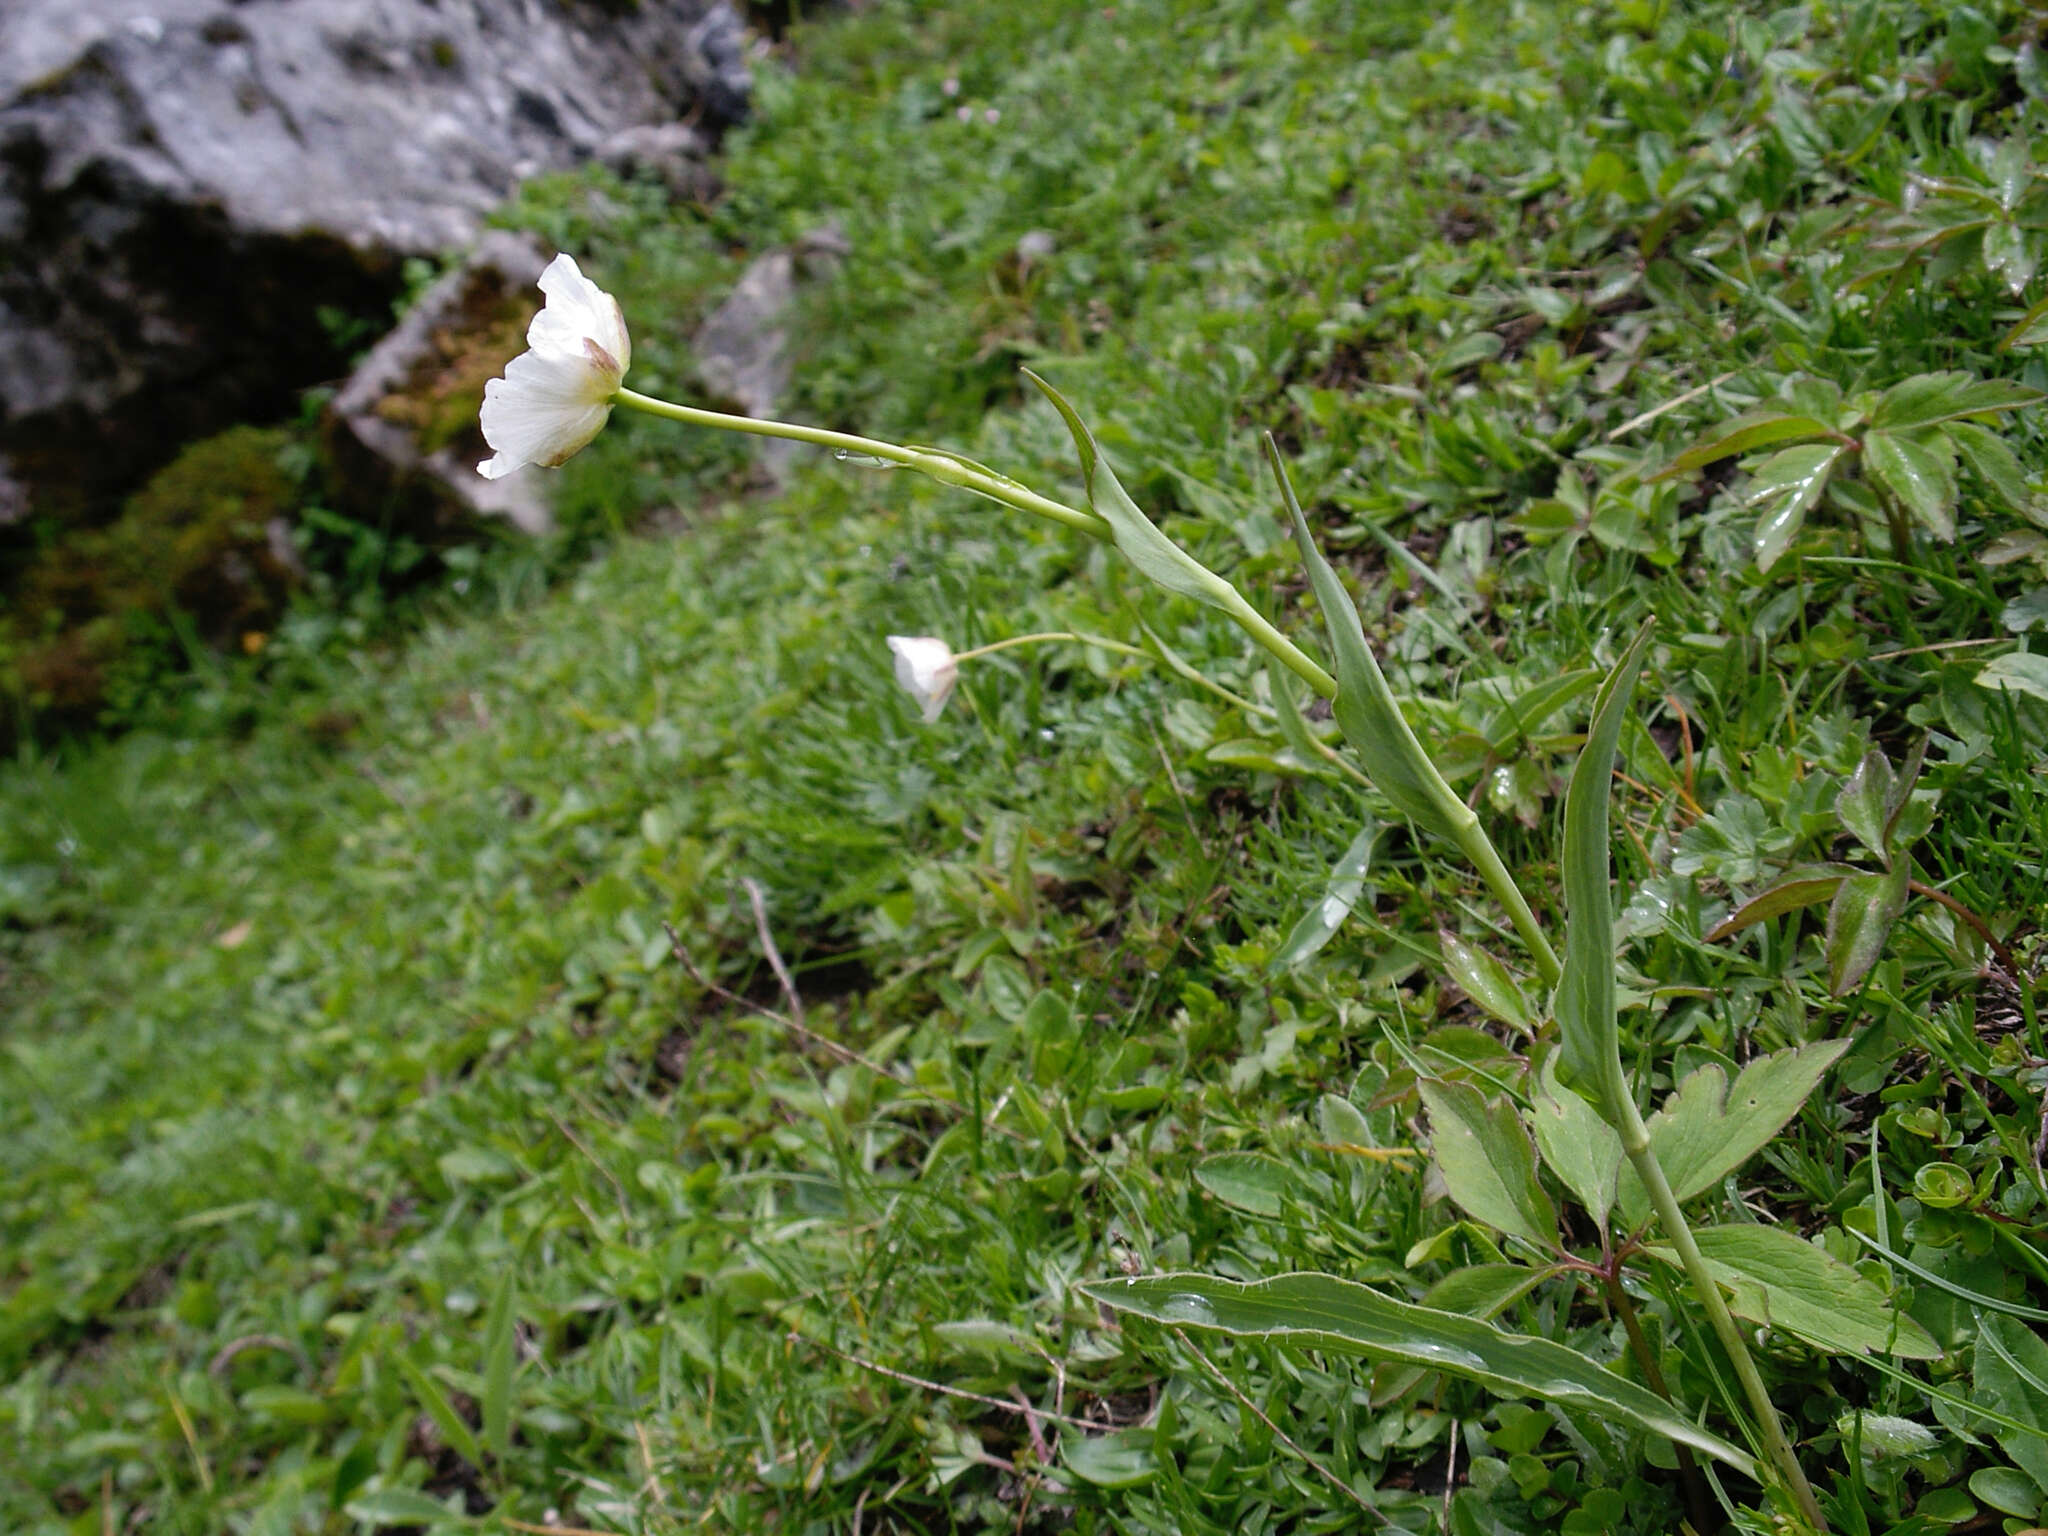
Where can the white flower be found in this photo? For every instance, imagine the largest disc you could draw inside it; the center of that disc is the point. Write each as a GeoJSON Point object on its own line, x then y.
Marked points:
{"type": "Point", "coordinates": [925, 668]}
{"type": "Point", "coordinates": [556, 397]}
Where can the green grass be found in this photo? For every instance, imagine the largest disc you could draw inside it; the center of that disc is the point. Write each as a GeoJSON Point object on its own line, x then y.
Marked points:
{"type": "Point", "coordinates": [336, 1000]}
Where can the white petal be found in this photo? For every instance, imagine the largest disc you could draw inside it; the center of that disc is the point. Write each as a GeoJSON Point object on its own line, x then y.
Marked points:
{"type": "Point", "coordinates": [926, 670]}
{"type": "Point", "coordinates": [576, 309]}
{"type": "Point", "coordinates": [543, 410]}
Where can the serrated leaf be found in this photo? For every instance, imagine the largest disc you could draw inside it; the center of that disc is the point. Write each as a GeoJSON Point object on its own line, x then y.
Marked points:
{"type": "Point", "coordinates": [1585, 993]}
{"type": "Point", "coordinates": [1918, 468]}
{"type": "Point", "coordinates": [1342, 1315]}
{"type": "Point", "coordinates": [1860, 920]}
{"type": "Point", "coordinates": [1487, 1162]}
{"type": "Point", "coordinates": [1487, 982]}
{"type": "Point", "coordinates": [1865, 801]}
{"type": "Point", "coordinates": [1992, 462]}
{"type": "Point", "coordinates": [1320, 923]}
{"type": "Point", "coordinates": [1708, 1128]}
{"type": "Point", "coordinates": [2012, 167]}
{"type": "Point", "coordinates": [2021, 672]}
{"type": "Point", "coordinates": [1807, 886]}
{"type": "Point", "coordinates": [1365, 708]}
{"type": "Point", "coordinates": [1753, 429]}
{"type": "Point", "coordinates": [1577, 1145]}
{"type": "Point", "coordinates": [1151, 551]}
{"type": "Point", "coordinates": [500, 1358]}
{"type": "Point", "coordinates": [1927, 398]}
{"type": "Point", "coordinates": [1784, 489]}
{"type": "Point", "coordinates": [2011, 254]}
{"type": "Point", "coordinates": [1781, 1280]}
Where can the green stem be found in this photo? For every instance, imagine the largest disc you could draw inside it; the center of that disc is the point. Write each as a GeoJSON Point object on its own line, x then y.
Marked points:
{"type": "Point", "coordinates": [1121, 649]}
{"type": "Point", "coordinates": [1635, 1141]}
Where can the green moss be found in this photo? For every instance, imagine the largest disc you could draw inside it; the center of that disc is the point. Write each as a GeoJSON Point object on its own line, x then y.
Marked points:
{"type": "Point", "coordinates": [441, 397]}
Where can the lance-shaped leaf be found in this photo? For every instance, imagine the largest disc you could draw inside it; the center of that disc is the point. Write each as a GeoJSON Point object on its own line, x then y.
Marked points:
{"type": "Point", "coordinates": [1135, 534]}
{"type": "Point", "coordinates": [1754, 429]}
{"type": "Point", "coordinates": [1487, 1162]}
{"type": "Point", "coordinates": [500, 1360]}
{"type": "Point", "coordinates": [1860, 920]}
{"type": "Point", "coordinates": [1781, 1280]}
{"type": "Point", "coordinates": [1807, 886]}
{"type": "Point", "coordinates": [1487, 982]}
{"type": "Point", "coordinates": [1998, 467]}
{"type": "Point", "coordinates": [1784, 489]}
{"type": "Point", "coordinates": [1577, 1145]}
{"type": "Point", "coordinates": [1366, 712]}
{"type": "Point", "coordinates": [1919, 469]}
{"type": "Point", "coordinates": [1533, 705]}
{"type": "Point", "coordinates": [1708, 1128]}
{"type": "Point", "coordinates": [1319, 924]}
{"type": "Point", "coordinates": [1329, 1313]}
{"type": "Point", "coordinates": [1865, 804]}
{"type": "Point", "coordinates": [1927, 398]}
{"type": "Point", "coordinates": [1585, 993]}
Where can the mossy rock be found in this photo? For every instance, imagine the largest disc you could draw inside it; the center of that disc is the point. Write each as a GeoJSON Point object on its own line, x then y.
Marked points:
{"type": "Point", "coordinates": [207, 538]}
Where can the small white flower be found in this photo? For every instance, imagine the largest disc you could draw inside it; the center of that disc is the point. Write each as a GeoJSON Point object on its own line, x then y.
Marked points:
{"type": "Point", "coordinates": [925, 668]}
{"type": "Point", "coordinates": [555, 397]}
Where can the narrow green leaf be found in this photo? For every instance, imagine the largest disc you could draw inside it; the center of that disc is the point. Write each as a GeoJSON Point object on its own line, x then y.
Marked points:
{"type": "Point", "coordinates": [1918, 468]}
{"type": "Point", "coordinates": [1487, 982]}
{"type": "Point", "coordinates": [2021, 672]}
{"type": "Point", "coordinates": [1577, 1145]}
{"type": "Point", "coordinates": [1487, 1162]}
{"type": "Point", "coordinates": [461, 1439]}
{"type": "Point", "coordinates": [1865, 801]}
{"type": "Point", "coordinates": [1585, 994]}
{"type": "Point", "coordinates": [1287, 714]}
{"type": "Point", "coordinates": [1784, 489]}
{"type": "Point", "coordinates": [1151, 551]}
{"type": "Point", "coordinates": [1992, 462]}
{"type": "Point", "coordinates": [1904, 782]}
{"type": "Point", "coordinates": [1528, 709]}
{"type": "Point", "coordinates": [1365, 708]}
{"type": "Point", "coordinates": [1320, 923]}
{"type": "Point", "coordinates": [1330, 1313]}
{"type": "Point", "coordinates": [1753, 429]}
{"type": "Point", "coordinates": [1779, 1279]}
{"type": "Point", "coordinates": [500, 1356]}
{"type": "Point", "coordinates": [1807, 886]}
{"type": "Point", "coordinates": [1708, 1128]}
{"type": "Point", "coordinates": [402, 1506]}
{"type": "Point", "coordinates": [1944, 1284]}
{"type": "Point", "coordinates": [1860, 920]}
{"type": "Point", "coordinates": [1928, 398]}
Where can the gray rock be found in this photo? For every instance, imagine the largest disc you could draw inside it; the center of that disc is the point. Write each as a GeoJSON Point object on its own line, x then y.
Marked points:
{"type": "Point", "coordinates": [380, 464]}
{"type": "Point", "coordinates": [202, 202]}
{"type": "Point", "coordinates": [672, 153]}
{"type": "Point", "coordinates": [742, 350]}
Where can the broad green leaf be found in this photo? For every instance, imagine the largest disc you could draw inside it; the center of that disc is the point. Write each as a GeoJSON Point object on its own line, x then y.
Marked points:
{"type": "Point", "coordinates": [500, 1357]}
{"type": "Point", "coordinates": [1577, 1145]}
{"type": "Point", "coordinates": [1753, 429]}
{"type": "Point", "coordinates": [1995, 464]}
{"type": "Point", "coordinates": [454, 1429]}
{"type": "Point", "coordinates": [1784, 489]}
{"type": "Point", "coordinates": [1487, 1162]}
{"type": "Point", "coordinates": [2007, 1490]}
{"type": "Point", "coordinates": [1487, 982]}
{"type": "Point", "coordinates": [1484, 1290]}
{"type": "Point", "coordinates": [1918, 468]}
{"type": "Point", "coordinates": [1366, 712]}
{"type": "Point", "coordinates": [2021, 672]}
{"type": "Point", "coordinates": [1535, 704]}
{"type": "Point", "coordinates": [1122, 1458]}
{"type": "Point", "coordinates": [1865, 802]}
{"type": "Point", "coordinates": [1930, 397]}
{"type": "Point", "coordinates": [1249, 1181]}
{"type": "Point", "coordinates": [1319, 924]}
{"type": "Point", "coordinates": [1329, 1313]}
{"type": "Point", "coordinates": [2012, 167]}
{"type": "Point", "coordinates": [402, 1506]}
{"type": "Point", "coordinates": [2010, 1375]}
{"type": "Point", "coordinates": [1151, 551]}
{"type": "Point", "coordinates": [2011, 253]}
{"type": "Point", "coordinates": [1780, 1279]}
{"type": "Point", "coordinates": [1342, 1123]}
{"type": "Point", "coordinates": [1708, 1128]}
{"type": "Point", "coordinates": [1807, 886]}
{"type": "Point", "coordinates": [1860, 920]}
{"type": "Point", "coordinates": [1585, 993]}
{"type": "Point", "coordinates": [1904, 782]}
